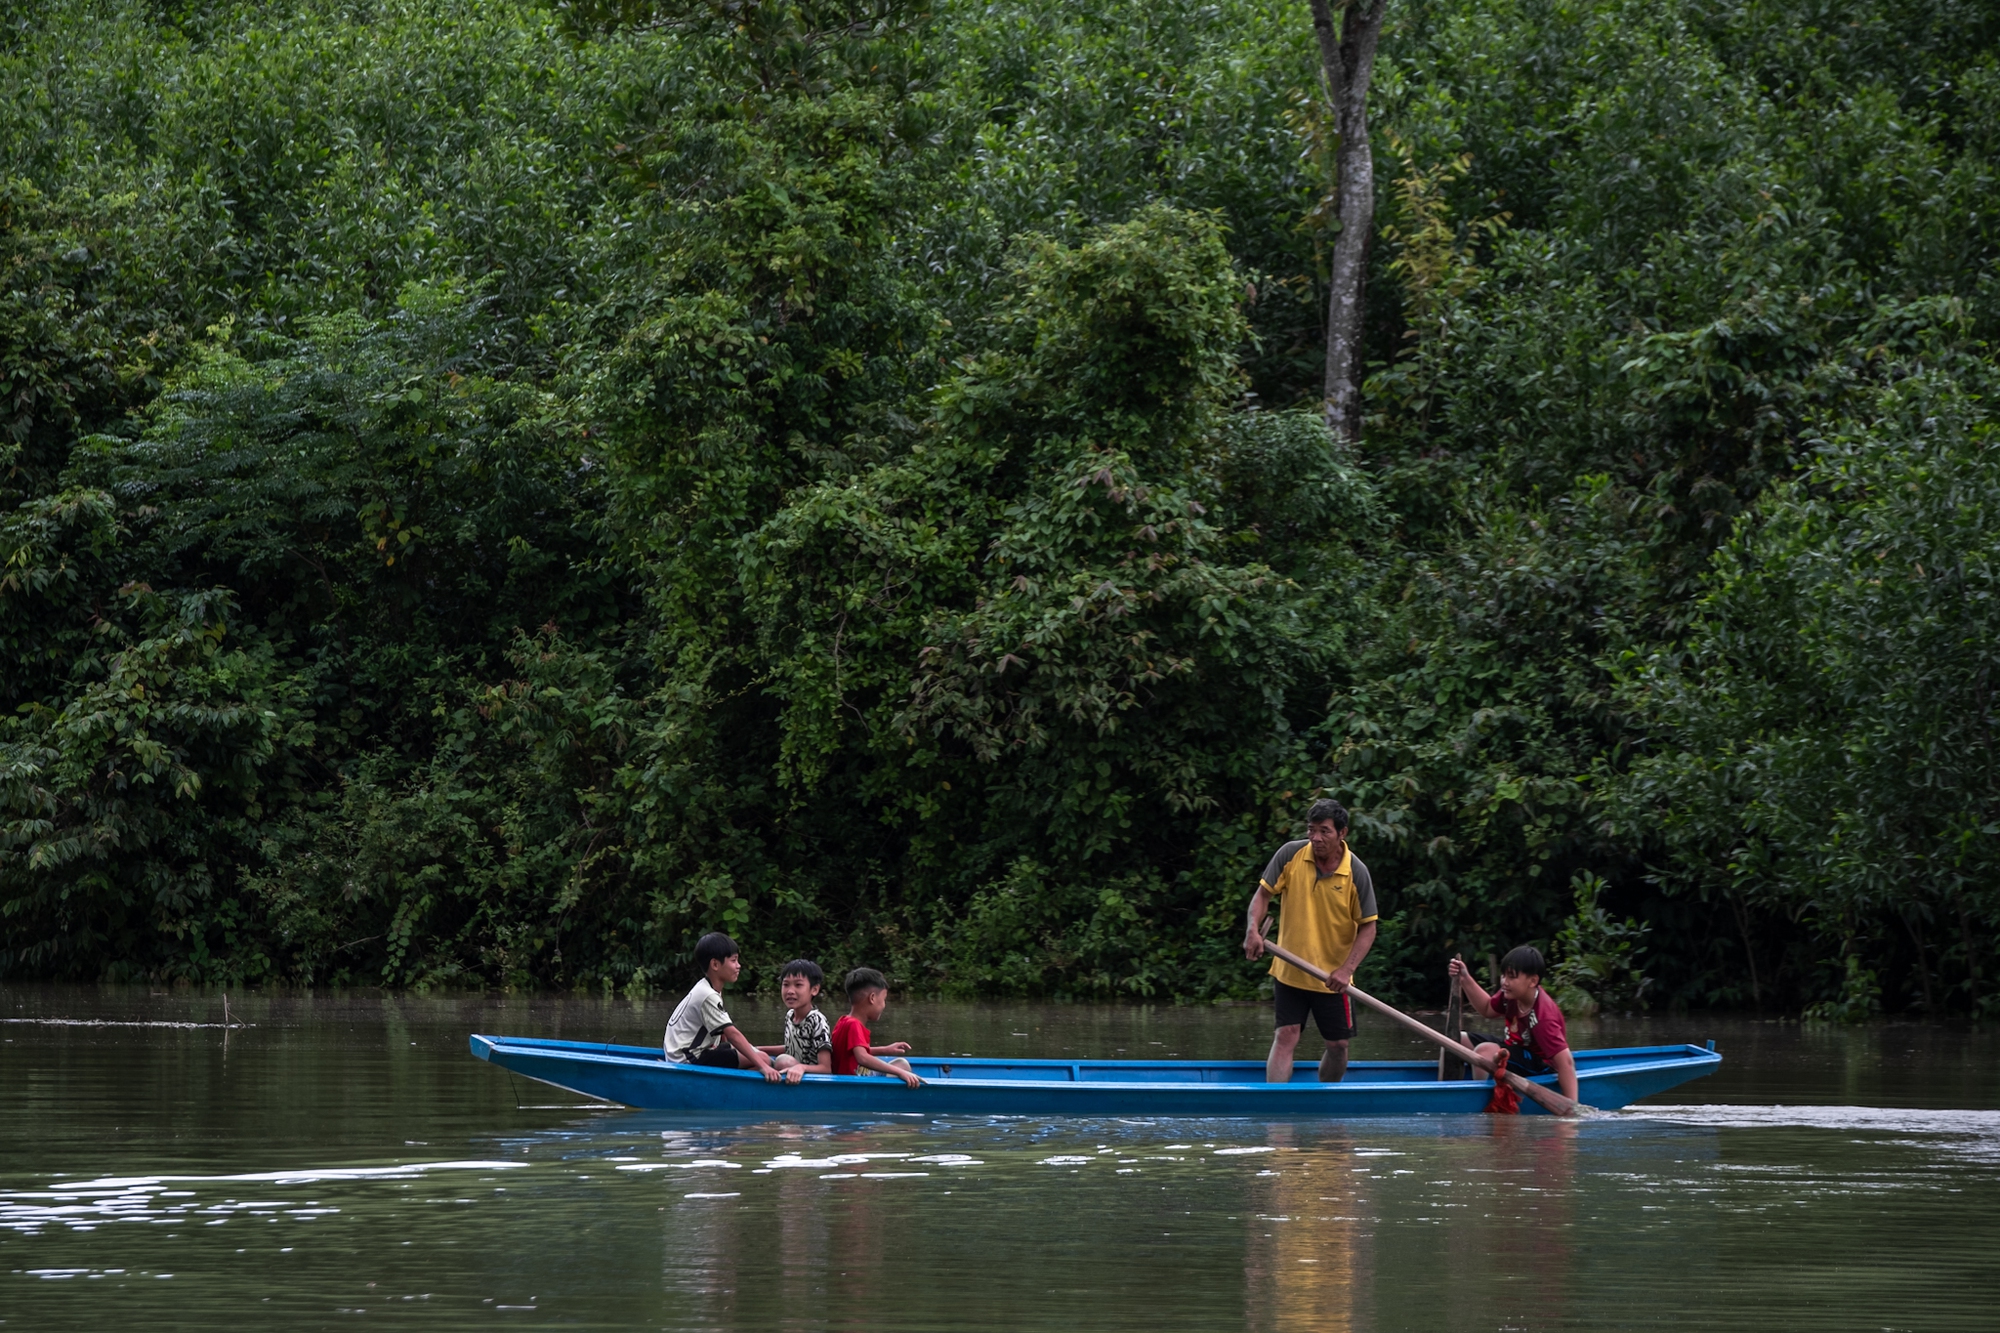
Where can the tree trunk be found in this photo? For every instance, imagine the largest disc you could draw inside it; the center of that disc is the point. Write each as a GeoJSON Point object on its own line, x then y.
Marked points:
{"type": "Point", "coordinates": [1347, 63]}
{"type": "Point", "coordinates": [1923, 968]}
{"type": "Point", "coordinates": [1742, 914]}
{"type": "Point", "coordinates": [1971, 956]}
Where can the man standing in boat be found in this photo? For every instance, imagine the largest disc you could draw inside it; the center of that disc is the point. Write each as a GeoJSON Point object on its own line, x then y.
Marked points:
{"type": "Point", "coordinates": [1329, 917]}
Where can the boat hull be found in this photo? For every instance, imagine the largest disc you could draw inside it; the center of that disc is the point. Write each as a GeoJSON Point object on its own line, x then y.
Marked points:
{"type": "Point", "coordinates": [637, 1076]}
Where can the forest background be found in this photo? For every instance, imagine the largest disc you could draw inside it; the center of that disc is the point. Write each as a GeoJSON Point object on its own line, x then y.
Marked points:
{"type": "Point", "coordinates": [494, 491]}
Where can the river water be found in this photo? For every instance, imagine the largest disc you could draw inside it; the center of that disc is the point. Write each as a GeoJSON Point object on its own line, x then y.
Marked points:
{"type": "Point", "coordinates": [341, 1161]}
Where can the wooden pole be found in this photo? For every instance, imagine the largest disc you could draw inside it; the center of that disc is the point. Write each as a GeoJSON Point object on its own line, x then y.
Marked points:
{"type": "Point", "coordinates": [1450, 1067]}
{"type": "Point", "coordinates": [1547, 1098]}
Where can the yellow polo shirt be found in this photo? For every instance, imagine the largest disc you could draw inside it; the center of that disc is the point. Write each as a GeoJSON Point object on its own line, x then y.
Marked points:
{"type": "Point", "coordinates": [1322, 913]}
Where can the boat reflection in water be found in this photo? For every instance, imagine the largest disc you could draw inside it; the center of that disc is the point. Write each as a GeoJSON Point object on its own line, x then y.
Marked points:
{"type": "Point", "coordinates": [1285, 1227]}
{"type": "Point", "coordinates": [1480, 1214]}
{"type": "Point", "coordinates": [1523, 1255]}
{"type": "Point", "coordinates": [815, 1243]}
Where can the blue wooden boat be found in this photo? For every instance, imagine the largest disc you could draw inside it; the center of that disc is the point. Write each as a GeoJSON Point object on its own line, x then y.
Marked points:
{"type": "Point", "coordinates": [639, 1076]}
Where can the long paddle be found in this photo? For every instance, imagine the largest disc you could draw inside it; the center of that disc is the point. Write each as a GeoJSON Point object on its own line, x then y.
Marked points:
{"type": "Point", "coordinates": [1549, 1099]}
{"type": "Point", "coordinates": [1450, 1068]}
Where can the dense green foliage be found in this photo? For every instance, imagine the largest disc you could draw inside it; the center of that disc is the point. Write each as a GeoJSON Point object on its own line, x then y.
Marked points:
{"type": "Point", "coordinates": [496, 489]}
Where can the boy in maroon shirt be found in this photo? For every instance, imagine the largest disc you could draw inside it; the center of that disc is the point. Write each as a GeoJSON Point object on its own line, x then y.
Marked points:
{"type": "Point", "coordinates": [1535, 1040]}
{"type": "Point", "coordinates": [853, 1051]}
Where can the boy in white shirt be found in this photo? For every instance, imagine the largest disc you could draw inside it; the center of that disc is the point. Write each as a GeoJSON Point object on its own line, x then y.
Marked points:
{"type": "Point", "coordinates": [701, 1031]}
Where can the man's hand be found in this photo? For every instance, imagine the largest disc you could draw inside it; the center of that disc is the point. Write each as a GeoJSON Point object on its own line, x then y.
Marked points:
{"type": "Point", "coordinates": [893, 1048]}
{"type": "Point", "coordinates": [795, 1073]}
{"type": "Point", "coordinates": [1340, 978]}
{"type": "Point", "coordinates": [1254, 922]}
{"type": "Point", "coordinates": [770, 1072]}
{"type": "Point", "coordinates": [1458, 972]}
{"type": "Point", "coordinates": [910, 1080]}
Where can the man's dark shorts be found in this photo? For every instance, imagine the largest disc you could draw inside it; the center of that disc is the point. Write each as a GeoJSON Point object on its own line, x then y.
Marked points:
{"type": "Point", "coordinates": [722, 1057]}
{"type": "Point", "coordinates": [1332, 1014]}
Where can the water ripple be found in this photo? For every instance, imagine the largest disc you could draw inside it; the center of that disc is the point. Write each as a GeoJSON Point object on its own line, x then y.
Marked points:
{"type": "Point", "coordinates": [84, 1204]}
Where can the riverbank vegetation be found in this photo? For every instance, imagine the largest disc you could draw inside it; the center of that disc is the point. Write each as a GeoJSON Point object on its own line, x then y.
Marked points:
{"type": "Point", "coordinates": [495, 490]}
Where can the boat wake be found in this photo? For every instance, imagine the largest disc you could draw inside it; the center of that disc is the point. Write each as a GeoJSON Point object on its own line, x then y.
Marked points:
{"type": "Point", "coordinates": [1976, 1133]}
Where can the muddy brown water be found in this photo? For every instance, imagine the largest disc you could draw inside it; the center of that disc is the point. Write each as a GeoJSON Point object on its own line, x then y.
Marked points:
{"type": "Point", "coordinates": [340, 1161]}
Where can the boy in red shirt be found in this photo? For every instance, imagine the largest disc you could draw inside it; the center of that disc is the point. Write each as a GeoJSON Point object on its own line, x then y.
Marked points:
{"type": "Point", "coordinates": [853, 1050]}
{"type": "Point", "coordinates": [1535, 1040]}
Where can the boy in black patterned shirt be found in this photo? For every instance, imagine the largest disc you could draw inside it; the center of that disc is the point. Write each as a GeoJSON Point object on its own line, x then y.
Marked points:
{"type": "Point", "coordinates": [808, 1047]}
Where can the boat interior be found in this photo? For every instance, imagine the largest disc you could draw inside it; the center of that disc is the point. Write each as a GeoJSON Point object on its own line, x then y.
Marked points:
{"type": "Point", "coordinates": [1185, 1071]}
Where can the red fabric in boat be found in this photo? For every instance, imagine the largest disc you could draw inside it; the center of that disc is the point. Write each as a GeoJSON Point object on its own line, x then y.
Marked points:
{"type": "Point", "coordinates": [1504, 1101]}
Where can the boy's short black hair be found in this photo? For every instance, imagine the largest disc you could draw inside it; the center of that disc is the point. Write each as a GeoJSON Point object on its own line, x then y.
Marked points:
{"type": "Point", "coordinates": [713, 948]}
{"type": "Point", "coordinates": [864, 979]}
{"type": "Point", "coordinates": [1525, 959]}
{"type": "Point", "coordinates": [1328, 809]}
{"type": "Point", "coordinates": [803, 967]}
